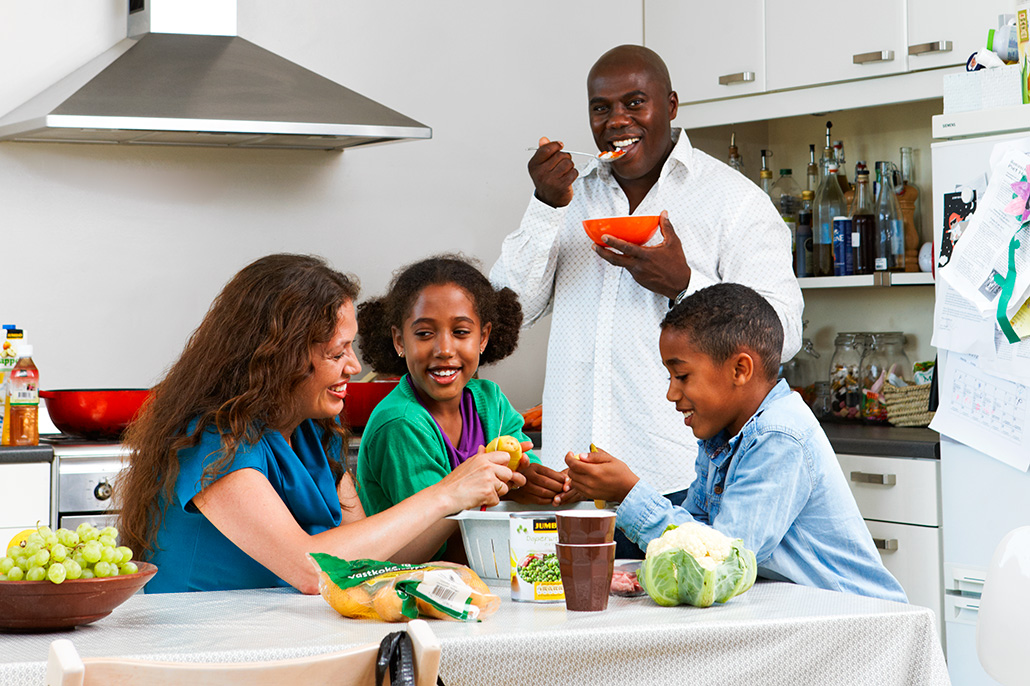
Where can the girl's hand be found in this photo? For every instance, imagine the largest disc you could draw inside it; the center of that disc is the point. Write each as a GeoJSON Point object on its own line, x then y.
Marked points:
{"type": "Point", "coordinates": [350, 504]}
{"type": "Point", "coordinates": [600, 476]}
{"type": "Point", "coordinates": [480, 480]}
{"type": "Point", "coordinates": [543, 485]}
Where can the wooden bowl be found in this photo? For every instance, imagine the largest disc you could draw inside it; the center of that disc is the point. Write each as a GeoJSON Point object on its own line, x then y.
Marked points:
{"type": "Point", "coordinates": [46, 606]}
{"type": "Point", "coordinates": [636, 230]}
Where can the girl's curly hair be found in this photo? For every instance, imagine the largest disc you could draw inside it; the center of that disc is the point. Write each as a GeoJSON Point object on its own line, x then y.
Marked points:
{"type": "Point", "coordinates": [377, 316]}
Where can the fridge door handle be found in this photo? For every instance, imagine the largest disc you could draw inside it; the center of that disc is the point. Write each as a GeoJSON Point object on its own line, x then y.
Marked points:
{"type": "Point", "coordinates": [886, 543]}
{"type": "Point", "coordinates": [867, 478]}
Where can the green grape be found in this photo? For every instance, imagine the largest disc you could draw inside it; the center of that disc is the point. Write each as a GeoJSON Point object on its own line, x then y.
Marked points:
{"type": "Point", "coordinates": [88, 534]}
{"type": "Point", "coordinates": [104, 569]}
{"type": "Point", "coordinates": [15, 551]}
{"type": "Point", "coordinates": [35, 574]}
{"type": "Point", "coordinates": [108, 541]}
{"type": "Point", "coordinates": [31, 549]}
{"type": "Point", "coordinates": [69, 539]}
{"type": "Point", "coordinates": [128, 568]}
{"type": "Point", "coordinates": [50, 540]}
{"type": "Point", "coordinates": [110, 555]}
{"type": "Point", "coordinates": [6, 564]}
{"type": "Point", "coordinates": [22, 563]}
{"type": "Point", "coordinates": [91, 552]}
{"type": "Point", "coordinates": [109, 531]}
{"type": "Point", "coordinates": [44, 530]}
{"type": "Point", "coordinates": [87, 574]}
{"type": "Point", "coordinates": [56, 573]}
{"type": "Point", "coordinates": [3, 577]}
{"type": "Point", "coordinates": [40, 559]}
{"type": "Point", "coordinates": [72, 569]}
{"type": "Point", "coordinates": [126, 553]}
{"type": "Point", "coordinates": [16, 574]}
{"type": "Point", "coordinates": [58, 553]}
{"type": "Point", "coordinates": [79, 559]}
{"type": "Point", "coordinates": [34, 538]}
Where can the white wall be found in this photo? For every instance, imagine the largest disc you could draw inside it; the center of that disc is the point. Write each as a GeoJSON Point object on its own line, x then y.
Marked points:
{"type": "Point", "coordinates": [114, 253]}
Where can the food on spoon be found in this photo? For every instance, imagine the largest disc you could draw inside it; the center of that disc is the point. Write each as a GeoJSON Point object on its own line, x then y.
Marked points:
{"type": "Point", "coordinates": [696, 565]}
{"type": "Point", "coordinates": [510, 445]}
{"type": "Point", "coordinates": [609, 155]}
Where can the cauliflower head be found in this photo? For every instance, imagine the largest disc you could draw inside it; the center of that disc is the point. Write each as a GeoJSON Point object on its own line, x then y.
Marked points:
{"type": "Point", "coordinates": [696, 565]}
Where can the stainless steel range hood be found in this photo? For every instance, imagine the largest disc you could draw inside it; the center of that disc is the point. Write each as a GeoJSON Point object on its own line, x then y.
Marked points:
{"type": "Point", "coordinates": [201, 86]}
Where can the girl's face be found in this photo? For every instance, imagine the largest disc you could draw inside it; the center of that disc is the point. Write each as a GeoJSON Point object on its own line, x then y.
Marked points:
{"type": "Point", "coordinates": [441, 340]}
{"type": "Point", "coordinates": [321, 395]}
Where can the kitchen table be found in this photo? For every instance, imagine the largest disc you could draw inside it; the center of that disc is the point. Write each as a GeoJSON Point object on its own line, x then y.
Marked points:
{"type": "Point", "coordinates": [776, 633]}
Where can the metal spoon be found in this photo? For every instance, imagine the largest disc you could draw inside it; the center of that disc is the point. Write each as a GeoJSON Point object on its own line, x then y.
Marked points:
{"type": "Point", "coordinates": [606, 156]}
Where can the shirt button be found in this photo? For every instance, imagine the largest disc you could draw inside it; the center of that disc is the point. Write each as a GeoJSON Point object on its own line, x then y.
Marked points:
{"type": "Point", "coordinates": [718, 490]}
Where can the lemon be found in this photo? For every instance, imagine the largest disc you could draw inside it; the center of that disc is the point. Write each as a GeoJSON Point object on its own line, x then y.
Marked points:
{"type": "Point", "coordinates": [19, 538]}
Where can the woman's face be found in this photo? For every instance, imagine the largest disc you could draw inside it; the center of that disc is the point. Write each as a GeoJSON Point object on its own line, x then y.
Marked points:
{"type": "Point", "coordinates": [441, 341]}
{"type": "Point", "coordinates": [321, 395]}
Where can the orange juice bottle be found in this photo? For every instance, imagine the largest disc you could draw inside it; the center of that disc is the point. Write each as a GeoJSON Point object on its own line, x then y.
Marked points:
{"type": "Point", "coordinates": [23, 398]}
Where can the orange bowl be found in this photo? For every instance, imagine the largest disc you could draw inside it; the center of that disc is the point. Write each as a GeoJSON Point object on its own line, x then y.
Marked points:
{"type": "Point", "coordinates": [637, 230]}
{"type": "Point", "coordinates": [46, 606]}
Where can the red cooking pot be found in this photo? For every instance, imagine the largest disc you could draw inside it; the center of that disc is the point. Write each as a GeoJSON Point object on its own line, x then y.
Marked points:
{"type": "Point", "coordinates": [362, 397]}
{"type": "Point", "coordinates": [94, 413]}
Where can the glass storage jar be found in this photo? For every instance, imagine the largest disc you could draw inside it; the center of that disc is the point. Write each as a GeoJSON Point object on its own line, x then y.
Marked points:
{"type": "Point", "coordinates": [899, 367]}
{"type": "Point", "coordinates": [874, 376]}
{"type": "Point", "coordinates": [800, 371]}
{"type": "Point", "coordinates": [845, 370]}
{"type": "Point", "coordinates": [822, 404]}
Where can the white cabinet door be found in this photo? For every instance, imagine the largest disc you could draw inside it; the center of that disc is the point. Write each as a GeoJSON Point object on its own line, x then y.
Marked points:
{"type": "Point", "coordinates": [912, 554]}
{"type": "Point", "coordinates": [934, 23]}
{"type": "Point", "coordinates": [713, 50]}
{"type": "Point", "coordinates": [24, 496]}
{"type": "Point", "coordinates": [813, 42]}
{"type": "Point", "coordinates": [894, 489]}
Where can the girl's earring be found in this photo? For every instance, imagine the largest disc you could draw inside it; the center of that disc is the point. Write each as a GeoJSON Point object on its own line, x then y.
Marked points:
{"type": "Point", "coordinates": [400, 354]}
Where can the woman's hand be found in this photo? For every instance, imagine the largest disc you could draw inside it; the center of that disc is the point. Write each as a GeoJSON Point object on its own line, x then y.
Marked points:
{"type": "Point", "coordinates": [350, 504]}
{"type": "Point", "coordinates": [480, 480]}
{"type": "Point", "coordinates": [600, 476]}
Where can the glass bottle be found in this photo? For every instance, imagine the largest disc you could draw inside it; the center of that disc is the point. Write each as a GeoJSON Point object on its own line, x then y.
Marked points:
{"type": "Point", "coordinates": [800, 371]}
{"type": "Point", "coordinates": [863, 224]}
{"type": "Point", "coordinates": [735, 160]}
{"type": "Point", "coordinates": [23, 392]}
{"type": "Point", "coordinates": [803, 266]}
{"type": "Point", "coordinates": [908, 201]}
{"type": "Point", "coordinates": [845, 370]}
{"type": "Point", "coordinates": [822, 403]}
{"type": "Point", "coordinates": [786, 196]}
{"type": "Point", "coordinates": [842, 173]}
{"type": "Point", "coordinates": [812, 173]}
{"type": "Point", "coordinates": [765, 179]}
{"type": "Point", "coordinates": [889, 252]}
{"type": "Point", "coordinates": [829, 203]}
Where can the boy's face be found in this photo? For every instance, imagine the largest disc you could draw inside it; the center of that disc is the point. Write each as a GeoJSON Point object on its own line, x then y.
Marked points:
{"type": "Point", "coordinates": [706, 392]}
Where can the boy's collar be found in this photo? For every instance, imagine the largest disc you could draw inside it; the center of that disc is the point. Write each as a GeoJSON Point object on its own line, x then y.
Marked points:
{"type": "Point", "coordinates": [723, 445]}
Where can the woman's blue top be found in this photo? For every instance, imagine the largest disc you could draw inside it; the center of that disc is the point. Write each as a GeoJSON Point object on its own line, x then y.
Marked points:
{"type": "Point", "coordinates": [192, 555]}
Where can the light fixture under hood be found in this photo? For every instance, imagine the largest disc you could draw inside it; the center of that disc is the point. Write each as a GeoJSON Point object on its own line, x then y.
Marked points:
{"type": "Point", "coordinates": [202, 86]}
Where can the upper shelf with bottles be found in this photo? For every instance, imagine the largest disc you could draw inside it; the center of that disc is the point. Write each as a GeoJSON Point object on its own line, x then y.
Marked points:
{"type": "Point", "coordinates": [790, 57]}
{"type": "Point", "coordinates": [876, 279]}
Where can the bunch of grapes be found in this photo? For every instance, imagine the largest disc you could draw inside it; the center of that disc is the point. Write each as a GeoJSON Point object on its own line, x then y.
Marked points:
{"type": "Point", "coordinates": [85, 553]}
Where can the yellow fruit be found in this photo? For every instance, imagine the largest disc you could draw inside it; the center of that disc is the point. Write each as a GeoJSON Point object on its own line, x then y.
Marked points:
{"type": "Point", "coordinates": [19, 538]}
{"type": "Point", "coordinates": [599, 504]}
{"type": "Point", "coordinates": [510, 445]}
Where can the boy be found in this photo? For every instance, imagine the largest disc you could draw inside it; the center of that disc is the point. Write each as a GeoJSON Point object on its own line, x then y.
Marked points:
{"type": "Point", "coordinates": [765, 470]}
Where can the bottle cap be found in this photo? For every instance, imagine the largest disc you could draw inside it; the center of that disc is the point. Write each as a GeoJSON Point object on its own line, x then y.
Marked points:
{"type": "Point", "coordinates": [807, 195]}
{"type": "Point", "coordinates": [25, 350]}
{"type": "Point", "coordinates": [10, 326]}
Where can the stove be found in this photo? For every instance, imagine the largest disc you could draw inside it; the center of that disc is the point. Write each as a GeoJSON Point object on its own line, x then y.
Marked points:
{"type": "Point", "coordinates": [85, 474]}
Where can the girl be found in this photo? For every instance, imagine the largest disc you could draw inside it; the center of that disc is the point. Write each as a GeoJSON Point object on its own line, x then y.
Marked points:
{"type": "Point", "coordinates": [438, 322]}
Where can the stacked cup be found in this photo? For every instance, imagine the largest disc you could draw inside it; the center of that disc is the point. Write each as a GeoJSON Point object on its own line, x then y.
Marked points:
{"type": "Point", "coordinates": [586, 557]}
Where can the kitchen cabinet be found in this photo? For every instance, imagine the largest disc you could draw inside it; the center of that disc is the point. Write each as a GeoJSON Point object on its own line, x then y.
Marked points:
{"type": "Point", "coordinates": [26, 486]}
{"type": "Point", "coordinates": [944, 33]}
{"type": "Point", "coordinates": [718, 48]}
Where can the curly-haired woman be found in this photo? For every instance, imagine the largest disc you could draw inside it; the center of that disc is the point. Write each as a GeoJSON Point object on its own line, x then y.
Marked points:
{"type": "Point", "coordinates": [439, 321]}
{"type": "Point", "coordinates": [235, 472]}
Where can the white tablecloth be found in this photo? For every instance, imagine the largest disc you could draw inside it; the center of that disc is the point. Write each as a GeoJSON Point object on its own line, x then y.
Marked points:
{"type": "Point", "coordinates": [776, 633]}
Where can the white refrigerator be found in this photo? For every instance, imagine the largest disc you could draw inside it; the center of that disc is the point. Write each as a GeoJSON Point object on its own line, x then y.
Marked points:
{"type": "Point", "coordinates": [982, 498]}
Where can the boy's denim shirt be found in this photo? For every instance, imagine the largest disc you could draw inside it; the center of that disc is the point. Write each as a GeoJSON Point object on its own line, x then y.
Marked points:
{"type": "Point", "coordinates": [778, 486]}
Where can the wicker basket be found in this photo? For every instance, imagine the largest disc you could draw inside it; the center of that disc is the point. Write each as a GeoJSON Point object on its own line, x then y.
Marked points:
{"type": "Point", "coordinates": [907, 405]}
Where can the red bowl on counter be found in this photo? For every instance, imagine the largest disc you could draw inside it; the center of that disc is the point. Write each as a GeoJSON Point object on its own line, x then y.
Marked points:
{"type": "Point", "coordinates": [362, 397]}
{"type": "Point", "coordinates": [101, 413]}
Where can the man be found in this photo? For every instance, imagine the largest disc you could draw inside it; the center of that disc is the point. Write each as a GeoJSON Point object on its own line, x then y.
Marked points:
{"type": "Point", "coordinates": [605, 383]}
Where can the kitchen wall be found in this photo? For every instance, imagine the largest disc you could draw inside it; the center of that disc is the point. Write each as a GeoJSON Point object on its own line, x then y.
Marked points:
{"type": "Point", "coordinates": [114, 253]}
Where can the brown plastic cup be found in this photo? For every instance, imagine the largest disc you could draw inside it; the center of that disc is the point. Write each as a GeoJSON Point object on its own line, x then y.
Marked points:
{"type": "Point", "coordinates": [581, 527]}
{"type": "Point", "coordinates": [586, 574]}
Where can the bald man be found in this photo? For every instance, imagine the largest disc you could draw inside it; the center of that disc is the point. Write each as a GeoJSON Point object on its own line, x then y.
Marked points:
{"type": "Point", "coordinates": [605, 383]}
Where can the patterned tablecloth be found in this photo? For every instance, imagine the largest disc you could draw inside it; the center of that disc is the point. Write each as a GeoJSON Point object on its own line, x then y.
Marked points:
{"type": "Point", "coordinates": [776, 633]}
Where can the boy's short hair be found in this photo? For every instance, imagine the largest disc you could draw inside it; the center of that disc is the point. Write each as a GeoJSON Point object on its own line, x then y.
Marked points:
{"type": "Point", "coordinates": [723, 319]}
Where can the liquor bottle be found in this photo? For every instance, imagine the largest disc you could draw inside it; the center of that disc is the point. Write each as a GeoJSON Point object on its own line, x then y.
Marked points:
{"type": "Point", "coordinates": [842, 173]}
{"type": "Point", "coordinates": [829, 203]}
{"type": "Point", "coordinates": [803, 265]}
{"type": "Point", "coordinates": [765, 179]}
{"type": "Point", "coordinates": [812, 173]}
{"type": "Point", "coordinates": [849, 196]}
{"type": "Point", "coordinates": [786, 196]}
{"type": "Point", "coordinates": [890, 228]}
{"type": "Point", "coordinates": [827, 151]}
{"type": "Point", "coordinates": [908, 201]}
{"type": "Point", "coordinates": [23, 391]}
{"type": "Point", "coordinates": [863, 224]}
{"type": "Point", "coordinates": [735, 160]}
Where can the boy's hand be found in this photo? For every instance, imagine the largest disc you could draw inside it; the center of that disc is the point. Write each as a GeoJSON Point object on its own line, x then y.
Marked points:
{"type": "Point", "coordinates": [600, 476]}
{"type": "Point", "coordinates": [543, 485]}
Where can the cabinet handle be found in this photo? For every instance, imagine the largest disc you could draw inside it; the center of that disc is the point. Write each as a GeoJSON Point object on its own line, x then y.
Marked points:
{"type": "Point", "coordinates": [866, 478]}
{"type": "Point", "coordinates": [878, 56]}
{"type": "Point", "coordinates": [742, 77]}
{"type": "Point", "coordinates": [930, 48]}
{"type": "Point", "coordinates": [886, 543]}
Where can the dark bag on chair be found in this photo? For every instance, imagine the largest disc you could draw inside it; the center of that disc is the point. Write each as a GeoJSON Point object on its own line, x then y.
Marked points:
{"type": "Point", "coordinates": [396, 653]}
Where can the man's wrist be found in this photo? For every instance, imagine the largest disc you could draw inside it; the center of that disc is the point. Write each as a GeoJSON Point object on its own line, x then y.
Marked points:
{"type": "Point", "coordinates": [673, 302]}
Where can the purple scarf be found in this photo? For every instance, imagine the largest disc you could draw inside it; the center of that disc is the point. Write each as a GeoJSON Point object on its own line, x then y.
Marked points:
{"type": "Point", "coordinates": [472, 434]}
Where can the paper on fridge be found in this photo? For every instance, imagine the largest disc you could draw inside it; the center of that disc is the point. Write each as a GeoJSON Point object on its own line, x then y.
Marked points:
{"type": "Point", "coordinates": [983, 411]}
{"type": "Point", "coordinates": [983, 253]}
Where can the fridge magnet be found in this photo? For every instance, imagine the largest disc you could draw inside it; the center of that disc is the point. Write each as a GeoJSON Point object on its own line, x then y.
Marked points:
{"type": "Point", "coordinates": [956, 218]}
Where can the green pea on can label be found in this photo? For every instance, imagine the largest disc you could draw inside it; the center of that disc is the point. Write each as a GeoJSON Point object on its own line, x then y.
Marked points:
{"type": "Point", "coordinates": [535, 577]}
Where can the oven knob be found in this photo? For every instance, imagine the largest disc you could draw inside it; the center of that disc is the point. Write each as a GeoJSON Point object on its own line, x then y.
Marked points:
{"type": "Point", "coordinates": [103, 491]}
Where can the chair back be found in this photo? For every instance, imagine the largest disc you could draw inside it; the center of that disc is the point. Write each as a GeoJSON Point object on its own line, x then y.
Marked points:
{"type": "Point", "coordinates": [353, 667]}
{"type": "Point", "coordinates": [1003, 622]}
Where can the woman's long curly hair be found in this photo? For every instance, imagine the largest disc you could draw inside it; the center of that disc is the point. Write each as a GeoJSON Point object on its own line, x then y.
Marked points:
{"type": "Point", "coordinates": [376, 317]}
{"type": "Point", "coordinates": [237, 373]}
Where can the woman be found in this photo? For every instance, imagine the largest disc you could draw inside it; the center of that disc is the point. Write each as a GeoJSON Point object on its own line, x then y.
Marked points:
{"type": "Point", "coordinates": [235, 471]}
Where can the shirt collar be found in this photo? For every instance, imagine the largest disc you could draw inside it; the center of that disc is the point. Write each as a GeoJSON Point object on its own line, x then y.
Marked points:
{"type": "Point", "coordinates": [682, 154]}
{"type": "Point", "coordinates": [722, 446]}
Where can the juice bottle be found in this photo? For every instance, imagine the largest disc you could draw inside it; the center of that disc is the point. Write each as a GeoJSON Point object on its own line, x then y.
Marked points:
{"type": "Point", "coordinates": [10, 340]}
{"type": "Point", "coordinates": [23, 394]}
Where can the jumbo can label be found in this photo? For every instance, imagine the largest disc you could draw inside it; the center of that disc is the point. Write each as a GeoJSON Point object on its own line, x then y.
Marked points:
{"type": "Point", "coordinates": [535, 577]}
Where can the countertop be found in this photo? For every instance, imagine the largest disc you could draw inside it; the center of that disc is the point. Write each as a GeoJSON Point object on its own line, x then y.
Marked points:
{"type": "Point", "coordinates": [16, 454]}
